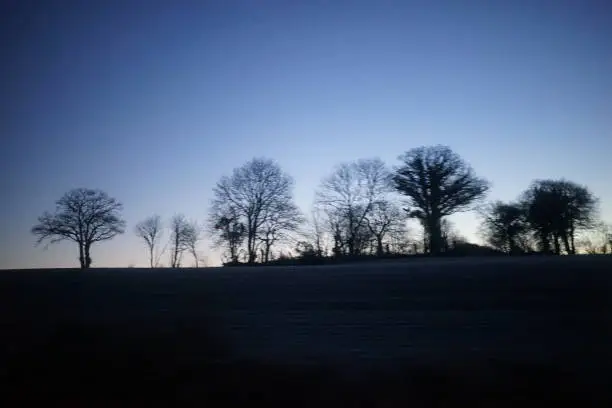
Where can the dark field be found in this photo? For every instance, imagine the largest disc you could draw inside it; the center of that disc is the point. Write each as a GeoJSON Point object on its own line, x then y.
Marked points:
{"type": "Point", "coordinates": [490, 331]}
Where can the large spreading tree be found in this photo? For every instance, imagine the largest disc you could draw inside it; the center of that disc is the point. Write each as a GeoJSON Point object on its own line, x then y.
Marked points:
{"type": "Point", "coordinates": [84, 216]}
{"type": "Point", "coordinates": [255, 203]}
{"type": "Point", "coordinates": [437, 183]}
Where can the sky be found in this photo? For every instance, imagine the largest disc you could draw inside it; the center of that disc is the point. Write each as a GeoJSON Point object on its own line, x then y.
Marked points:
{"type": "Point", "coordinates": [153, 102]}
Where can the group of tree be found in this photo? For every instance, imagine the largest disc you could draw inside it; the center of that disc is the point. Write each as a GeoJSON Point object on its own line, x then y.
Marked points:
{"type": "Point", "coordinates": [546, 218]}
{"type": "Point", "coordinates": [360, 209]}
{"type": "Point", "coordinates": [86, 216]}
{"type": "Point", "coordinates": [184, 236]}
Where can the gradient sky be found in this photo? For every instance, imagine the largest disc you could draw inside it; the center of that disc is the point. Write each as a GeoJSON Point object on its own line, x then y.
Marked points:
{"type": "Point", "coordinates": [154, 101]}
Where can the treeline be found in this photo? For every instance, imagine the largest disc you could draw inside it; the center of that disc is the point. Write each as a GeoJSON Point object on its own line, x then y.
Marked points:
{"type": "Point", "coordinates": [361, 211]}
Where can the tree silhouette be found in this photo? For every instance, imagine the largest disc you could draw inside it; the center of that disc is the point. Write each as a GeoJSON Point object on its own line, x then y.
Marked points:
{"type": "Point", "coordinates": [193, 235]}
{"type": "Point", "coordinates": [505, 227]}
{"type": "Point", "coordinates": [313, 235]}
{"type": "Point", "coordinates": [150, 231]}
{"type": "Point", "coordinates": [384, 219]}
{"type": "Point", "coordinates": [280, 220]}
{"type": "Point", "coordinates": [437, 183]}
{"type": "Point", "coordinates": [253, 193]}
{"type": "Point", "coordinates": [229, 232]}
{"type": "Point", "coordinates": [348, 195]}
{"type": "Point", "coordinates": [84, 216]}
{"type": "Point", "coordinates": [181, 239]}
{"type": "Point", "coordinates": [556, 210]}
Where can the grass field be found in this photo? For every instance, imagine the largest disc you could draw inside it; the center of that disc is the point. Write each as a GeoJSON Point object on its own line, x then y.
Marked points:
{"type": "Point", "coordinates": [490, 331]}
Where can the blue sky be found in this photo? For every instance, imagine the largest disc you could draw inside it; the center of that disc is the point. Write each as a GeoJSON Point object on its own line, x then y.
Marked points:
{"type": "Point", "coordinates": [155, 101]}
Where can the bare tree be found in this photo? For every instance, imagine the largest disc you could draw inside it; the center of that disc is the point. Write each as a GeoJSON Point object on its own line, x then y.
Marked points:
{"type": "Point", "coordinates": [385, 218]}
{"type": "Point", "coordinates": [150, 231]}
{"type": "Point", "coordinates": [437, 183]}
{"type": "Point", "coordinates": [84, 216]}
{"type": "Point", "coordinates": [348, 196]}
{"type": "Point", "coordinates": [314, 235]}
{"type": "Point", "coordinates": [281, 219]}
{"type": "Point", "coordinates": [252, 193]}
{"type": "Point", "coordinates": [181, 235]}
{"type": "Point", "coordinates": [192, 235]}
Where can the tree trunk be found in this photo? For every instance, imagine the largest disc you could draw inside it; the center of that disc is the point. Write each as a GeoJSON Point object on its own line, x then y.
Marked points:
{"type": "Point", "coordinates": [195, 257]}
{"type": "Point", "coordinates": [233, 246]}
{"type": "Point", "coordinates": [379, 246]}
{"type": "Point", "coordinates": [566, 243]}
{"type": "Point", "coordinates": [87, 257]}
{"type": "Point", "coordinates": [512, 246]}
{"type": "Point", "coordinates": [82, 256]}
{"type": "Point", "coordinates": [544, 242]}
{"type": "Point", "coordinates": [557, 244]}
{"type": "Point", "coordinates": [351, 245]}
{"type": "Point", "coordinates": [267, 254]}
{"type": "Point", "coordinates": [252, 251]}
{"type": "Point", "coordinates": [435, 235]}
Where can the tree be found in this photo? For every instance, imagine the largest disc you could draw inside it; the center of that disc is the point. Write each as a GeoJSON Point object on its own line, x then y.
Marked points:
{"type": "Point", "coordinates": [438, 183]}
{"type": "Point", "coordinates": [305, 249]}
{"type": "Point", "coordinates": [505, 227]}
{"type": "Point", "coordinates": [280, 220]}
{"type": "Point", "coordinates": [450, 236]}
{"type": "Point", "coordinates": [348, 195]}
{"type": "Point", "coordinates": [384, 219]}
{"type": "Point", "coordinates": [228, 231]}
{"type": "Point", "coordinates": [597, 240]}
{"type": "Point", "coordinates": [84, 216]}
{"type": "Point", "coordinates": [556, 210]}
{"type": "Point", "coordinates": [251, 195]}
{"type": "Point", "coordinates": [192, 235]}
{"type": "Point", "coordinates": [314, 234]}
{"type": "Point", "coordinates": [181, 239]}
{"type": "Point", "coordinates": [150, 230]}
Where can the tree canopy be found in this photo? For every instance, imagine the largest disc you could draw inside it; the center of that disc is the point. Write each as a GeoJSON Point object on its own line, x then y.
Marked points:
{"type": "Point", "coordinates": [84, 216]}
{"type": "Point", "coordinates": [437, 183]}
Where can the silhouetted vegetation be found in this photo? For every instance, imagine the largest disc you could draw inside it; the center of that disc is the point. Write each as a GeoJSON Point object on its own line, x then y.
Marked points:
{"type": "Point", "coordinates": [355, 200]}
{"type": "Point", "coordinates": [361, 212]}
{"type": "Point", "coordinates": [150, 230]}
{"type": "Point", "coordinates": [184, 236]}
{"type": "Point", "coordinates": [255, 203]}
{"type": "Point", "coordinates": [438, 183]}
{"type": "Point", "coordinates": [506, 227]}
{"type": "Point", "coordinates": [84, 216]}
{"type": "Point", "coordinates": [358, 215]}
{"type": "Point", "coordinates": [546, 219]}
{"type": "Point", "coordinates": [556, 210]}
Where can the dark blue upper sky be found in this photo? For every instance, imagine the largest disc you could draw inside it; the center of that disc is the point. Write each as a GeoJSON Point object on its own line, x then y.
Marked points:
{"type": "Point", "coordinates": [154, 101]}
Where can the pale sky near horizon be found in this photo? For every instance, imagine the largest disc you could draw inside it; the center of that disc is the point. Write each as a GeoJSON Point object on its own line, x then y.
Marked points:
{"type": "Point", "coordinates": [154, 101]}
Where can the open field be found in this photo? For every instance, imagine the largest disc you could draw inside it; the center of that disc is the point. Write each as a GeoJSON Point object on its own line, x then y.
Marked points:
{"type": "Point", "coordinates": [488, 330]}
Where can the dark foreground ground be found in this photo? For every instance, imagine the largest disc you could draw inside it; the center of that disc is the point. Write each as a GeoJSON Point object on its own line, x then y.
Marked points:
{"type": "Point", "coordinates": [488, 332]}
